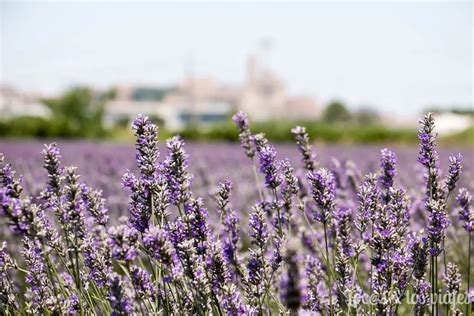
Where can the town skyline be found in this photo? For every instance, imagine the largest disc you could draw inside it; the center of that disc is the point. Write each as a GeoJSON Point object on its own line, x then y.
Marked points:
{"type": "Point", "coordinates": [395, 57]}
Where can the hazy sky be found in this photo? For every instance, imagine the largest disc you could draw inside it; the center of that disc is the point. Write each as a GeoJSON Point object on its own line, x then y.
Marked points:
{"type": "Point", "coordinates": [398, 57]}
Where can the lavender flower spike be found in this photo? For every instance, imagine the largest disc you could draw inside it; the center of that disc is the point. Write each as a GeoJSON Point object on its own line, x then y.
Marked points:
{"type": "Point", "coordinates": [158, 246]}
{"type": "Point", "coordinates": [466, 212]}
{"type": "Point", "coordinates": [454, 172]}
{"type": "Point", "coordinates": [258, 227]}
{"type": "Point", "coordinates": [120, 296]}
{"type": "Point", "coordinates": [437, 225]}
{"type": "Point", "coordinates": [368, 200]}
{"type": "Point", "coordinates": [268, 166]}
{"type": "Point", "coordinates": [291, 293]}
{"type": "Point", "coordinates": [315, 299]}
{"type": "Point", "coordinates": [146, 145]}
{"type": "Point", "coordinates": [52, 160]}
{"type": "Point", "coordinates": [428, 155]}
{"type": "Point", "coordinates": [323, 191]}
{"type": "Point", "coordinates": [141, 280]}
{"type": "Point", "coordinates": [123, 241]}
{"type": "Point", "coordinates": [7, 179]}
{"type": "Point", "coordinates": [39, 290]}
{"type": "Point", "coordinates": [305, 148]}
{"type": "Point", "coordinates": [243, 125]}
{"type": "Point", "coordinates": [387, 163]}
{"type": "Point", "coordinates": [175, 169]}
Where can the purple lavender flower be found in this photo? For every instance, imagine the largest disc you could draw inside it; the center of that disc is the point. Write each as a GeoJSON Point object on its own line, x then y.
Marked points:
{"type": "Point", "coordinates": [72, 207]}
{"type": "Point", "coordinates": [52, 161]}
{"type": "Point", "coordinates": [437, 225]}
{"type": "Point", "coordinates": [39, 286]}
{"type": "Point", "coordinates": [422, 296]}
{"type": "Point", "coordinates": [231, 301]}
{"type": "Point", "coordinates": [18, 213]}
{"type": "Point", "coordinates": [454, 172]}
{"type": "Point", "coordinates": [119, 296]}
{"type": "Point", "coordinates": [243, 125]}
{"type": "Point", "coordinates": [419, 251]}
{"type": "Point", "coordinates": [315, 299]}
{"type": "Point", "coordinates": [258, 227]}
{"type": "Point", "coordinates": [223, 195]}
{"type": "Point", "coordinates": [291, 287]}
{"type": "Point", "coordinates": [95, 205]}
{"type": "Point", "coordinates": [452, 279]}
{"type": "Point", "coordinates": [8, 297]}
{"type": "Point", "coordinates": [175, 169]}
{"type": "Point", "coordinates": [232, 230]}
{"type": "Point", "coordinates": [146, 146]}
{"type": "Point", "coordinates": [466, 213]}
{"type": "Point", "coordinates": [144, 189]}
{"type": "Point", "coordinates": [305, 148]}
{"type": "Point", "coordinates": [277, 258]}
{"type": "Point", "coordinates": [368, 200]}
{"type": "Point", "coordinates": [268, 166]}
{"type": "Point", "coordinates": [73, 306]}
{"type": "Point", "coordinates": [97, 259]}
{"type": "Point", "coordinates": [255, 270]}
{"type": "Point", "coordinates": [216, 267]}
{"type": "Point", "coordinates": [8, 182]}
{"type": "Point", "coordinates": [158, 246]}
{"type": "Point", "coordinates": [231, 239]}
{"type": "Point", "coordinates": [290, 185]}
{"type": "Point", "coordinates": [196, 216]}
{"type": "Point", "coordinates": [343, 274]}
{"type": "Point", "coordinates": [142, 283]}
{"type": "Point", "coordinates": [387, 163]}
{"type": "Point", "coordinates": [123, 241]}
{"type": "Point", "coordinates": [178, 232]}
{"type": "Point", "coordinates": [342, 226]}
{"type": "Point", "coordinates": [398, 209]}
{"type": "Point", "coordinates": [428, 156]}
{"type": "Point", "coordinates": [323, 192]}
{"type": "Point", "coordinates": [257, 264]}
{"type": "Point", "coordinates": [140, 201]}
{"type": "Point", "coordinates": [6, 261]}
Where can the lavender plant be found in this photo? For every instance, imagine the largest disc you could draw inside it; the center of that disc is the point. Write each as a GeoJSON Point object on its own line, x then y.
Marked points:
{"type": "Point", "coordinates": [303, 240]}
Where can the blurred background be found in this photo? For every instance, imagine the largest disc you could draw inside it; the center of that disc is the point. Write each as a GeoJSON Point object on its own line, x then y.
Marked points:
{"type": "Point", "coordinates": [348, 71]}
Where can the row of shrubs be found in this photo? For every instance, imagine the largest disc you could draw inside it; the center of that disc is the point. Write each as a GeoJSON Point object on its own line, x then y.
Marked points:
{"type": "Point", "coordinates": [278, 131]}
{"type": "Point", "coordinates": [319, 131]}
{"type": "Point", "coordinates": [38, 127]}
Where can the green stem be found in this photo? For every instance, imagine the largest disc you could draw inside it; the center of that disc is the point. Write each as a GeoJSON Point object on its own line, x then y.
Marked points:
{"type": "Point", "coordinates": [327, 260]}
{"type": "Point", "coordinates": [257, 182]}
{"type": "Point", "coordinates": [469, 271]}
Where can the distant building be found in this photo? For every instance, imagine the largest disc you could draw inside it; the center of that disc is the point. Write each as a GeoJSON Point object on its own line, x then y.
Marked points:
{"type": "Point", "coordinates": [264, 97]}
{"type": "Point", "coordinates": [199, 102]}
{"type": "Point", "coordinates": [203, 101]}
{"type": "Point", "coordinates": [450, 123]}
{"type": "Point", "coordinates": [14, 103]}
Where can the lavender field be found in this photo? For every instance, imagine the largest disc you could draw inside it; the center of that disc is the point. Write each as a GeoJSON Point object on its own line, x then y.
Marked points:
{"type": "Point", "coordinates": [222, 229]}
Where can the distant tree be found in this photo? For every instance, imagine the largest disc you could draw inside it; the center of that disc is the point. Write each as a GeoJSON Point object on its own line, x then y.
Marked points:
{"type": "Point", "coordinates": [80, 110]}
{"type": "Point", "coordinates": [336, 111]}
{"type": "Point", "coordinates": [366, 116]}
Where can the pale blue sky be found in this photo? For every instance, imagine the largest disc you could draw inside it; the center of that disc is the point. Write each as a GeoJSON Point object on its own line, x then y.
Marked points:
{"type": "Point", "coordinates": [395, 56]}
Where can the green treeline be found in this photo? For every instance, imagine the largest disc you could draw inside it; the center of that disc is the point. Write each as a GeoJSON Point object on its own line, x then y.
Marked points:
{"type": "Point", "coordinates": [79, 113]}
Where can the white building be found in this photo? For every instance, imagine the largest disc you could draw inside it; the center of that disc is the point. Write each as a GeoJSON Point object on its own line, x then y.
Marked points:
{"type": "Point", "coordinates": [204, 101]}
{"type": "Point", "coordinates": [265, 97]}
{"type": "Point", "coordinates": [14, 103]}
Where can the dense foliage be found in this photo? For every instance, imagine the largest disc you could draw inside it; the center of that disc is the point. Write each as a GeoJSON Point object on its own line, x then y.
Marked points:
{"type": "Point", "coordinates": [78, 113]}
{"type": "Point", "coordinates": [310, 239]}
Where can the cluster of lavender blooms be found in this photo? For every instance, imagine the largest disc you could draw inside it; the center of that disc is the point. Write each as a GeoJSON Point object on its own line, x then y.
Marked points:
{"type": "Point", "coordinates": [315, 241]}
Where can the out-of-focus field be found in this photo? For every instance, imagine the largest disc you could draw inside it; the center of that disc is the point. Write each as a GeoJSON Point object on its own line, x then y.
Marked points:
{"type": "Point", "coordinates": [101, 165]}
